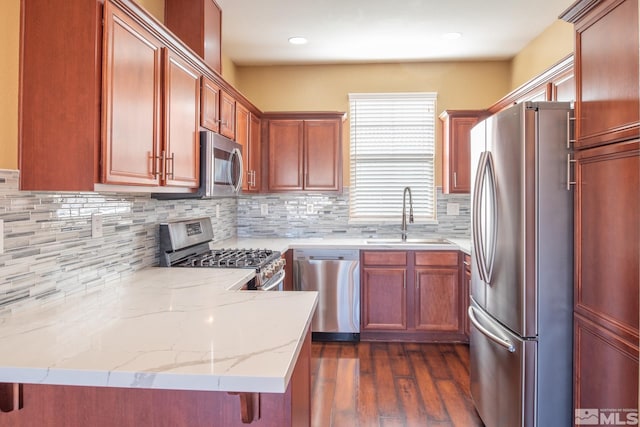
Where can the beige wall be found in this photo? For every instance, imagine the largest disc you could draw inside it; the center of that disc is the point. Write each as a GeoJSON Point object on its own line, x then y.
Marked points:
{"type": "Point", "coordinates": [9, 46]}
{"type": "Point", "coordinates": [460, 85]}
{"type": "Point", "coordinates": [552, 45]}
{"type": "Point", "coordinates": [154, 7]}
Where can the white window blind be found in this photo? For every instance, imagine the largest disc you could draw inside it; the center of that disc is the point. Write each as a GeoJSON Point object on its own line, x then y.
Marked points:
{"type": "Point", "coordinates": [392, 147]}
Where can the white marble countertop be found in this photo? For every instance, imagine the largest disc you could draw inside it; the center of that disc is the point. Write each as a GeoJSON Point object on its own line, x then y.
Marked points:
{"type": "Point", "coordinates": [283, 244]}
{"type": "Point", "coordinates": [184, 329]}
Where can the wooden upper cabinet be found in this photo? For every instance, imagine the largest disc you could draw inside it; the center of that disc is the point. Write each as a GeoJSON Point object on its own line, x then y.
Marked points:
{"type": "Point", "coordinates": [181, 120]}
{"type": "Point", "coordinates": [255, 153]}
{"type": "Point", "coordinates": [242, 138]}
{"type": "Point", "coordinates": [285, 155]}
{"type": "Point", "coordinates": [210, 105]}
{"type": "Point", "coordinates": [227, 115]}
{"type": "Point", "coordinates": [144, 144]}
{"type": "Point", "coordinates": [322, 154]}
{"type": "Point", "coordinates": [132, 126]}
{"type": "Point", "coordinates": [304, 151]}
{"type": "Point", "coordinates": [59, 126]}
{"type": "Point", "coordinates": [456, 144]}
{"type": "Point", "coordinates": [198, 23]}
{"type": "Point", "coordinates": [563, 88]}
{"type": "Point", "coordinates": [607, 88]}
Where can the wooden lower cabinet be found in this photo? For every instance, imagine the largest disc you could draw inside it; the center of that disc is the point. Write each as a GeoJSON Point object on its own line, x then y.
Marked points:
{"type": "Point", "coordinates": [466, 287]}
{"type": "Point", "coordinates": [411, 296]}
{"type": "Point", "coordinates": [606, 368]}
{"type": "Point", "coordinates": [75, 406]}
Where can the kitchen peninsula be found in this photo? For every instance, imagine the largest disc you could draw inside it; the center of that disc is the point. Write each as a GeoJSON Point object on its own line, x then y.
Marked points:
{"type": "Point", "coordinates": [170, 347]}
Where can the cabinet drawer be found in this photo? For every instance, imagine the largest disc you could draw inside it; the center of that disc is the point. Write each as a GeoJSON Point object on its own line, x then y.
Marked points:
{"type": "Point", "coordinates": [384, 258]}
{"type": "Point", "coordinates": [466, 262]}
{"type": "Point", "coordinates": [437, 258]}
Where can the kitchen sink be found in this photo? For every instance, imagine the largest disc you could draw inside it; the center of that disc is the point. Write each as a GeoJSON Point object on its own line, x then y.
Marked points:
{"type": "Point", "coordinates": [399, 241]}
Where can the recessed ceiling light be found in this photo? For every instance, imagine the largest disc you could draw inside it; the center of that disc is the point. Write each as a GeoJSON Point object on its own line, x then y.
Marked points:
{"type": "Point", "coordinates": [451, 36]}
{"type": "Point", "coordinates": [297, 40]}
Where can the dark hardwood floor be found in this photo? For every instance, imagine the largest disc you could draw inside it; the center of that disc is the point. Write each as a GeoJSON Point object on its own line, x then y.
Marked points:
{"type": "Point", "coordinates": [391, 384]}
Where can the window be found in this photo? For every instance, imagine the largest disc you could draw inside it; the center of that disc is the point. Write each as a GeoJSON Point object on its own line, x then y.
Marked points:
{"type": "Point", "coordinates": [392, 147]}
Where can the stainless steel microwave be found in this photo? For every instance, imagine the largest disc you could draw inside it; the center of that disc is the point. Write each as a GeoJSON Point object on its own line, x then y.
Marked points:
{"type": "Point", "coordinates": [221, 165]}
{"type": "Point", "coordinates": [221, 169]}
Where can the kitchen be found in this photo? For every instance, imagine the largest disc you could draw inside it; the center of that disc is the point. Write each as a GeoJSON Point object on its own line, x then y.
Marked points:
{"type": "Point", "coordinates": [43, 227]}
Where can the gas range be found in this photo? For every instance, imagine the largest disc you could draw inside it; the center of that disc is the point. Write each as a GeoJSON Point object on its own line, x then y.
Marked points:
{"type": "Point", "coordinates": [187, 244]}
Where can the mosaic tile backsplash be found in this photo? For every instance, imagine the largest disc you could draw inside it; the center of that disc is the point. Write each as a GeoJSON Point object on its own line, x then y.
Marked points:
{"type": "Point", "coordinates": [287, 217]}
{"type": "Point", "coordinates": [49, 252]}
{"type": "Point", "coordinates": [48, 249]}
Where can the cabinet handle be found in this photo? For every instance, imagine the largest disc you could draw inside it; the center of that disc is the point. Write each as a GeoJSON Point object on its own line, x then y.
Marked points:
{"type": "Point", "coordinates": [455, 180]}
{"type": "Point", "coordinates": [570, 121]}
{"type": "Point", "coordinates": [156, 164]}
{"type": "Point", "coordinates": [569, 182]}
{"type": "Point", "coordinates": [170, 160]}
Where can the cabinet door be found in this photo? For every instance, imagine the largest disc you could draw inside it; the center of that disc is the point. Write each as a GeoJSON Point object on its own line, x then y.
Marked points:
{"type": "Point", "coordinates": [181, 120]}
{"type": "Point", "coordinates": [437, 299]}
{"type": "Point", "coordinates": [466, 289]}
{"type": "Point", "coordinates": [131, 102]}
{"type": "Point", "coordinates": [198, 24]}
{"type": "Point", "coordinates": [227, 115]}
{"type": "Point", "coordinates": [242, 138]}
{"type": "Point", "coordinates": [285, 155]}
{"type": "Point", "coordinates": [255, 152]}
{"type": "Point", "coordinates": [607, 229]}
{"type": "Point", "coordinates": [210, 105]}
{"type": "Point", "coordinates": [384, 295]}
{"type": "Point", "coordinates": [606, 368]}
{"type": "Point", "coordinates": [322, 155]}
{"type": "Point", "coordinates": [456, 144]}
{"type": "Point", "coordinates": [607, 84]}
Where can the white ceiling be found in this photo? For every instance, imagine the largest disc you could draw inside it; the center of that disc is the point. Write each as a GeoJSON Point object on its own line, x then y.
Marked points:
{"type": "Point", "coordinates": [256, 31]}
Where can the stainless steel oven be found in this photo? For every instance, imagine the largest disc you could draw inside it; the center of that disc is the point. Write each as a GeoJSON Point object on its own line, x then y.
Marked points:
{"type": "Point", "coordinates": [186, 243]}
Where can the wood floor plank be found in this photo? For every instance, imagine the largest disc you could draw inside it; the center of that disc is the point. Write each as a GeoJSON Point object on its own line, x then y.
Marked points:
{"type": "Point", "coordinates": [431, 400]}
{"type": "Point", "coordinates": [399, 361]}
{"type": "Point", "coordinates": [367, 403]}
{"type": "Point", "coordinates": [435, 361]}
{"type": "Point", "coordinates": [344, 403]}
{"type": "Point", "coordinates": [391, 422]}
{"type": "Point", "coordinates": [457, 405]}
{"type": "Point", "coordinates": [364, 354]}
{"type": "Point", "coordinates": [388, 405]}
{"type": "Point", "coordinates": [409, 396]}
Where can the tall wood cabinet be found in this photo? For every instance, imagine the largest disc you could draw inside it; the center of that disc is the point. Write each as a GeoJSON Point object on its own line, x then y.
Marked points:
{"type": "Point", "coordinates": [607, 203]}
{"type": "Point", "coordinates": [304, 151]}
{"type": "Point", "coordinates": [60, 92]}
{"type": "Point", "coordinates": [456, 148]}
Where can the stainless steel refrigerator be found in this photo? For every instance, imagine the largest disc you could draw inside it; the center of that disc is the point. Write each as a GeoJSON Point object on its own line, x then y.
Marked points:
{"type": "Point", "coordinates": [522, 267]}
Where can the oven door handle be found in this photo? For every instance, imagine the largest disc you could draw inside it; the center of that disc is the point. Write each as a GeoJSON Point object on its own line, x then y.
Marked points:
{"type": "Point", "coordinates": [276, 283]}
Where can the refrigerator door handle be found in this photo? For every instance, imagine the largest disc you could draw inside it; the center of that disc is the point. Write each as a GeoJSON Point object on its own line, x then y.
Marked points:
{"type": "Point", "coordinates": [485, 181]}
{"type": "Point", "coordinates": [504, 342]}
{"type": "Point", "coordinates": [494, 218]}
{"type": "Point", "coordinates": [477, 235]}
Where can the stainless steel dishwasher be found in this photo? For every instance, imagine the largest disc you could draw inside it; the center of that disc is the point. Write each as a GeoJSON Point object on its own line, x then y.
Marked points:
{"type": "Point", "coordinates": [335, 274]}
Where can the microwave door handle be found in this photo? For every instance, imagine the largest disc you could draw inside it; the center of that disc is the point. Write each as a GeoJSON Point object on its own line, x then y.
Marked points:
{"type": "Point", "coordinates": [236, 186]}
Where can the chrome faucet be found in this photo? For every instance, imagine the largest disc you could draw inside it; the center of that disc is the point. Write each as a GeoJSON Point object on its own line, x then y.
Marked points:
{"type": "Point", "coordinates": [404, 211]}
